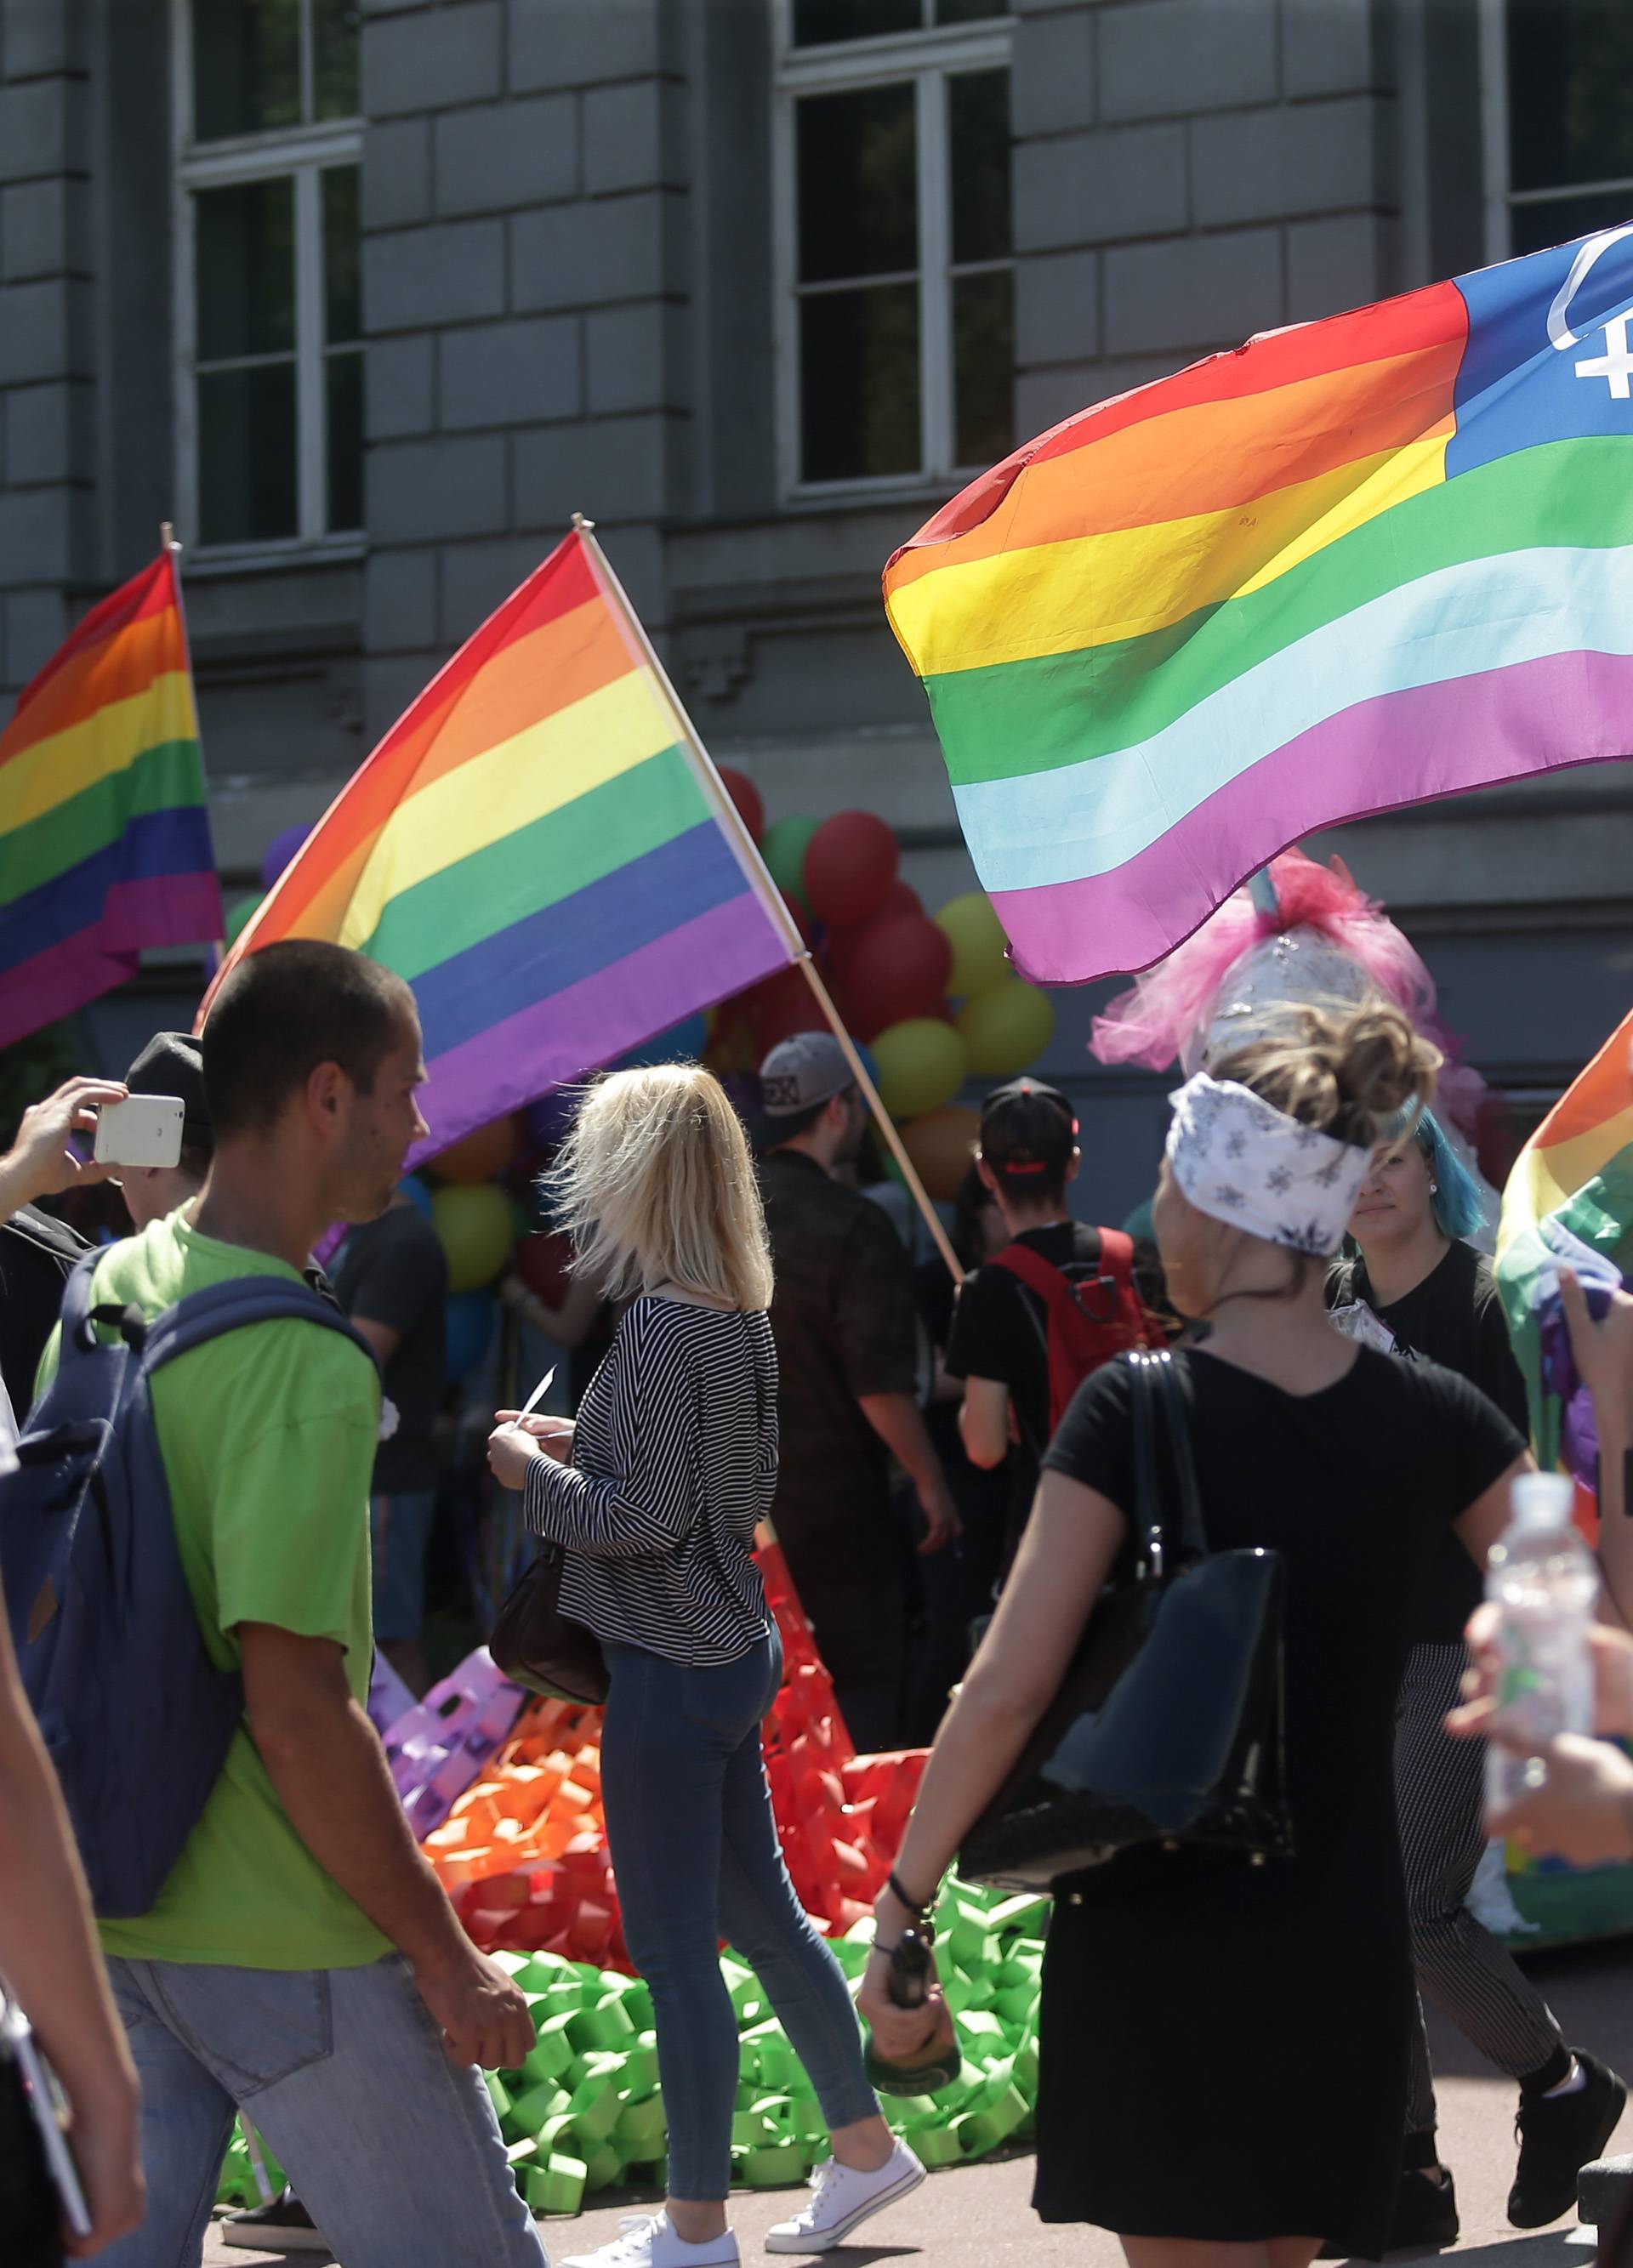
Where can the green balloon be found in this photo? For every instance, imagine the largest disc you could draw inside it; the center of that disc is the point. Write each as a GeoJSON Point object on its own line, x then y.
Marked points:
{"type": "Point", "coordinates": [239, 916]}
{"type": "Point", "coordinates": [783, 847]}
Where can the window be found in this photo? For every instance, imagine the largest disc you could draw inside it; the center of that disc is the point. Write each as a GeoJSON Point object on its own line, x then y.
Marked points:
{"type": "Point", "coordinates": [1560, 127]}
{"type": "Point", "coordinates": [269, 316]}
{"type": "Point", "coordinates": [895, 285]}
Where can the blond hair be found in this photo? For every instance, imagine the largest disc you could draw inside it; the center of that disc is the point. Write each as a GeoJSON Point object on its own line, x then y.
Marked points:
{"type": "Point", "coordinates": [655, 1185]}
{"type": "Point", "coordinates": [1347, 1072]}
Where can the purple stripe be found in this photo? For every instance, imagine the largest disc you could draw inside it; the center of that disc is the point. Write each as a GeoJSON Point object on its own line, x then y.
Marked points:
{"type": "Point", "coordinates": [568, 1032]}
{"type": "Point", "coordinates": [1397, 749]}
{"type": "Point", "coordinates": [160, 909]}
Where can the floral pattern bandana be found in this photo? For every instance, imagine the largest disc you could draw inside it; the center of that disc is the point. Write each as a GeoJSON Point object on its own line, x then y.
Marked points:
{"type": "Point", "coordinates": [1241, 1160]}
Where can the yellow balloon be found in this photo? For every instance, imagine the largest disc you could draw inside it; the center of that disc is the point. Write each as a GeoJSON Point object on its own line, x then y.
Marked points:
{"type": "Point", "coordinates": [976, 935]}
{"type": "Point", "coordinates": [1007, 1027]}
{"type": "Point", "coordinates": [475, 1225]}
{"type": "Point", "coordinates": [921, 1065]}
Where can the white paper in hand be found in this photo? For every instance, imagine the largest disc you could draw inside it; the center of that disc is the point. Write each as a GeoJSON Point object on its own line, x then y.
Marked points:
{"type": "Point", "coordinates": [538, 1394]}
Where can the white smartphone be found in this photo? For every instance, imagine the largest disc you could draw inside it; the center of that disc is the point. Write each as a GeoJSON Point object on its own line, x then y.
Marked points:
{"type": "Point", "coordinates": [45, 2101]}
{"type": "Point", "coordinates": [143, 1129]}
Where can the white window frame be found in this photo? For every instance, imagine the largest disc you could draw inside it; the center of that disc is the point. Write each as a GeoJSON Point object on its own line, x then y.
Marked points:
{"type": "Point", "coordinates": [926, 59]}
{"type": "Point", "coordinates": [1500, 197]}
{"type": "Point", "coordinates": [302, 153]}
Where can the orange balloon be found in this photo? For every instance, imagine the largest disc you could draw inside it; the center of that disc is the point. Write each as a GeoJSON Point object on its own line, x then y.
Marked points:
{"type": "Point", "coordinates": [480, 1155]}
{"type": "Point", "coordinates": [941, 1145]}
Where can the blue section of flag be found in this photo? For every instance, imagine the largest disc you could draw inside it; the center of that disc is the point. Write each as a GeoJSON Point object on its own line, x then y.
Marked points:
{"type": "Point", "coordinates": [1516, 389]}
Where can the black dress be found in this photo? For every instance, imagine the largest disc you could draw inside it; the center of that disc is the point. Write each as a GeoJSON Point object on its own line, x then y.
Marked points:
{"type": "Point", "coordinates": [1224, 2046]}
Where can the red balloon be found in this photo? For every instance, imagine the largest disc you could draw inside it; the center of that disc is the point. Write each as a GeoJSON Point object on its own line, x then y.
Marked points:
{"type": "Point", "coordinates": [850, 864]}
{"type": "Point", "coordinates": [903, 973]}
{"type": "Point", "coordinates": [850, 948]}
{"type": "Point", "coordinates": [901, 898]}
{"type": "Point", "coordinates": [541, 1264]}
{"type": "Point", "coordinates": [778, 1007]}
{"type": "Point", "coordinates": [801, 919]}
{"type": "Point", "coordinates": [746, 796]}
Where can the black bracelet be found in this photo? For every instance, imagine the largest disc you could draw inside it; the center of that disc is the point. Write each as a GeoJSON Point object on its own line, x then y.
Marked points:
{"type": "Point", "coordinates": [914, 1905]}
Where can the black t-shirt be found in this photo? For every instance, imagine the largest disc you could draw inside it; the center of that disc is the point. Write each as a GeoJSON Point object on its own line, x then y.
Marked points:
{"type": "Point", "coordinates": [1454, 1317]}
{"type": "Point", "coordinates": [393, 1271]}
{"type": "Point", "coordinates": [1001, 1329]}
{"type": "Point", "coordinates": [37, 1256]}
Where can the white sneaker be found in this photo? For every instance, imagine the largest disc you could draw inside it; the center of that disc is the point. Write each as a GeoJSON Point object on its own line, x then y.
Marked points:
{"type": "Point", "coordinates": [841, 2200]}
{"type": "Point", "coordinates": [648, 2241]}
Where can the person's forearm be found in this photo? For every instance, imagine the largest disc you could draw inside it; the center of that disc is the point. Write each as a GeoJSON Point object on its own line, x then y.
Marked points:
{"type": "Point", "coordinates": [1615, 1529]}
{"type": "Point", "coordinates": [19, 1185]}
{"type": "Point", "coordinates": [610, 1518]}
{"type": "Point", "coordinates": [980, 1737]}
{"type": "Point", "coordinates": [331, 1776]}
{"type": "Point", "coordinates": [899, 1423]}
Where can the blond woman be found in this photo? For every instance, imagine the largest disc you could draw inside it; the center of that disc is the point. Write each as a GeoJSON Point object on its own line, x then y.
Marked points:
{"type": "Point", "coordinates": [672, 1461]}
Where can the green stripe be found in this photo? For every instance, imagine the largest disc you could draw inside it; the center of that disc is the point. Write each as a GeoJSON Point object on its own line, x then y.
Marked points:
{"type": "Point", "coordinates": [1017, 718]}
{"type": "Point", "coordinates": [537, 866]}
{"type": "Point", "coordinates": [167, 778]}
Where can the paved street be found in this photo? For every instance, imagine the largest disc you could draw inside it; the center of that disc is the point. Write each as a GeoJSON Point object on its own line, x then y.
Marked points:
{"type": "Point", "coordinates": [978, 2215]}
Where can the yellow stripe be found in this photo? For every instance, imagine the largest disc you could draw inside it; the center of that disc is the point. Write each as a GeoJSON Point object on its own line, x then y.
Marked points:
{"type": "Point", "coordinates": [1545, 1179]}
{"type": "Point", "coordinates": [65, 763]}
{"type": "Point", "coordinates": [1059, 598]}
{"type": "Point", "coordinates": [513, 783]}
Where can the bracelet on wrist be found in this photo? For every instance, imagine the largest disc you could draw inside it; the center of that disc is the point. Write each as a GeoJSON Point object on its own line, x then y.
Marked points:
{"type": "Point", "coordinates": [917, 1907]}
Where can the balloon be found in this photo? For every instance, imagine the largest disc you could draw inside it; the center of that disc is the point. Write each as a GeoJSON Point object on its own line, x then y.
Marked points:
{"type": "Point", "coordinates": [541, 1264]}
{"type": "Point", "coordinates": [1007, 1027]}
{"type": "Point", "coordinates": [902, 898]}
{"type": "Point", "coordinates": [850, 864]}
{"type": "Point", "coordinates": [474, 1221]}
{"type": "Point", "coordinates": [280, 850]}
{"type": "Point", "coordinates": [778, 1007]}
{"type": "Point", "coordinates": [898, 972]}
{"type": "Point", "coordinates": [683, 1042]}
{"type": "Point", "coordinates": [547, 1121]}
{"type": "Point", "coordinates": [921, 1064]}
{"type": "Point", "coordinates": [468, 1320]}
{"type": "Point", "coordinates": [783, 848]}
{"type": "Point", "coordinates": [238, 919]}
{"type": "Point", "coordinates": [746, 796]}
{"type": "Point", "coordinates": [480, 1155]}
{"type": "Point", "coordinates": [979, 945]}
{"type": "Point", "coordinates": [801, 917]}
{"type": "Point", "coordinates": [417, 1195]}
{"type": "Point", "coordinates": [942, 1147]}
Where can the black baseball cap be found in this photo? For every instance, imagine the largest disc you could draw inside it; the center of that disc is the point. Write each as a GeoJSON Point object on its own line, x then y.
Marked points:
{"type": "Point", "coordinates": [1028, 1128]}
{"type": "Point", "coordinates": [173, 1062]}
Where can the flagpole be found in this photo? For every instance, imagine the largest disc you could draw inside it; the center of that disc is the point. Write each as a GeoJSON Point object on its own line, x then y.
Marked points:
{"type": "Point", "coordinates": [730, 818]}
{"type": "Point", "coordinates": [168, 544]}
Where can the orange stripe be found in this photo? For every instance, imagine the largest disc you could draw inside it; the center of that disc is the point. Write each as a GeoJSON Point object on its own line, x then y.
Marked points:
{"type": "Point", "coordinates": [1211, 456]}
{"type": "Point", "coordinates": [149, 593]}
{"type": "Point", "coordinates": [1600, 1093]}
{"type": "Point", "coordinates": [113, 668]}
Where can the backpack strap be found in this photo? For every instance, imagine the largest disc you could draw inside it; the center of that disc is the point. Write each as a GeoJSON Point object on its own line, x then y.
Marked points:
{"type": "Point", "coordinates": [1038, 1274]}
{"type": "Point", "coordinates": [205, 1316]}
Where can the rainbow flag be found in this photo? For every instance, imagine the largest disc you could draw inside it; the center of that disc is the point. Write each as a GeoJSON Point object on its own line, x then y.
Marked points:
{"type": "Point", "coordinates": [104, 833]}
{"type": "Point", "coordinates": [1354, 564]}
{"type": "Point", "coordinates": [1574, 1175]}
{"type": "Point", "coordinates": [536, 847]}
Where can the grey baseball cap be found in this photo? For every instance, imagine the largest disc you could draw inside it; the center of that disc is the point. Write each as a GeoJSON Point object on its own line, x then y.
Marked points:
{"type": "Point", "coordinates": [801, 1073]}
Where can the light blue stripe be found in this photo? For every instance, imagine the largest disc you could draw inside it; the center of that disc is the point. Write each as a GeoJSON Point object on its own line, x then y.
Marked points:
{"type": "Point", "coordinates": [1089, 818]}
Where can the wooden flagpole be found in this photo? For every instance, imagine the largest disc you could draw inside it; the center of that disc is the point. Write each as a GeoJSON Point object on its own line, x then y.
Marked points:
{"type": "Point", "coordinates": [747, 850]}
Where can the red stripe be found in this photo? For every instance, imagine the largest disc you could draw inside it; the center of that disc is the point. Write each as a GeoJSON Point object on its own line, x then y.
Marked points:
{"type": "Point", "coordinates": [149, 593]}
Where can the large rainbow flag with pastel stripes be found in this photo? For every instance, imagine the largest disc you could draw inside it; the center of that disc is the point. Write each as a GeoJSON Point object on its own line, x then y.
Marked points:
{"type": "Point", "coordinates": [1354, 564]}
{"type": "Point", "coordinates": [536, 846]}
{"type": "Point", "coordinates": [104, 831]}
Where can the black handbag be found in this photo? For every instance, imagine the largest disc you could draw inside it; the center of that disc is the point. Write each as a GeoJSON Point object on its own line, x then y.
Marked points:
{"type": "Point", "coordinates": [1169, 1726]}
{"type": "Point", "coordinates": [538, 1646]}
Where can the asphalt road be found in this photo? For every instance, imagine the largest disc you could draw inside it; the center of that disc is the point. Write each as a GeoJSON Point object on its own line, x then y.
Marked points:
{"type": "Point", "coordinates": [978, 2215]}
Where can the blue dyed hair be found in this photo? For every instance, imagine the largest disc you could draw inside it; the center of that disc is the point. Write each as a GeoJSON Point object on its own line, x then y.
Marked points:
{"type": "Point", "coordinates": [1457, 1204]}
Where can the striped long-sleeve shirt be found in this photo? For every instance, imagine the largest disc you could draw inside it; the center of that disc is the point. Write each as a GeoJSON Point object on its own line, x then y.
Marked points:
{"type": "Point", "coordinates": [674, 1462]}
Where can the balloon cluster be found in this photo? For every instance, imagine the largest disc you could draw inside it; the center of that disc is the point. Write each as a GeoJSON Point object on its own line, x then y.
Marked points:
{"type": "Point", "coordinates": [933, 998]}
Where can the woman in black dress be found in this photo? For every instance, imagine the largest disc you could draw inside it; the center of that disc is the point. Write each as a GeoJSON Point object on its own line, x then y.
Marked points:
{"type": "Point", "coordinates": [1223, 2045]}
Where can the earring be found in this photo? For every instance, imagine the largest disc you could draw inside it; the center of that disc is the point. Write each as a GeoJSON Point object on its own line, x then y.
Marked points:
{"type": "Point", "coordinates": [1434, 1189]}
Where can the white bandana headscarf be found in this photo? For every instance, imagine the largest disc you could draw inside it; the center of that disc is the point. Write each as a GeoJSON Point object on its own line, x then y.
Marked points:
{"type": "Point", "coordinates": [1241, 1160]}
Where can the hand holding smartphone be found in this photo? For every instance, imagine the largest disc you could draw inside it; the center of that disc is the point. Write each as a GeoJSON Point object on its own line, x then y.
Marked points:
{"type": "Point", "coordinates": [143, 1129]}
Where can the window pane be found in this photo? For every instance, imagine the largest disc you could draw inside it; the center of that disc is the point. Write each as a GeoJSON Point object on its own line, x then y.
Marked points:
{"type": "Point", "coordinates": [968, 11]}
{"type": "Point", "coordinates": [342, 302]}
{"type": "Point", "coordinates": [1534, 227]}
{"type": "Point", "coordinates": [246, 279]}
{"type": "Point", "coordinates": [858, 383]}
{"type": "Point", "coordinates": [334, 59]}
{"type": "Point", "coordinates": [1570, 67]}
{"type": "Point", "coordinates": [245, 67]}
{"type": "Point", "coordinates": [343, 379]}
{"type": "Point", "coordinates": [978, 117]}
{"type": "Point", "coordinates": [819, 23]}
{"type": "Point", "coordinates": [246, 453]}
{"type": "Point", "coordinates": [984, 366]}
{"type": "Point", "coordinates": [859, 202]}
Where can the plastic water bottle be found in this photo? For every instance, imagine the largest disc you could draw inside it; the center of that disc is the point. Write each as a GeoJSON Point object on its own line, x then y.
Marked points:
{"type": "Point", "coordinates": [1543, 1577]}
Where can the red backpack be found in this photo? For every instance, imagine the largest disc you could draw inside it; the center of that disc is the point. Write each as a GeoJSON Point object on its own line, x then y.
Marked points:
{"type": "Point", "coordinates": [1089, 1321]}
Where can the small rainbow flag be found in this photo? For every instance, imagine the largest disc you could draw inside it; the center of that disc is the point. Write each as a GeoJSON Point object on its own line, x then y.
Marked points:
{"type": "Point", "coordinates": [1354, 564]}
{"type": "Point", "coordinates": [537, 846]}
{"type": "Point", "coordinates": [104, 832]}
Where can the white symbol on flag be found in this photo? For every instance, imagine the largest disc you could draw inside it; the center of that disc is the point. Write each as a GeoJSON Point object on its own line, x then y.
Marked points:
{"type": "Point", "coordinates": [1615, 364]}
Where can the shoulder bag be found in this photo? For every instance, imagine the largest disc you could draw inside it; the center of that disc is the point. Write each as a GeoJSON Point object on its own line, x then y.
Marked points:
{"type": "Point", "coordinates": [1169, 1726]}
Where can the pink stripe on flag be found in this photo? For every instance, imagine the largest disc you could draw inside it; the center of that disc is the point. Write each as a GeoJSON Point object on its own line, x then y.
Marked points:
{"type": "Point", "coordinates": [1399, 748]}
{"type": "Point", "coordinates": [160, 909]}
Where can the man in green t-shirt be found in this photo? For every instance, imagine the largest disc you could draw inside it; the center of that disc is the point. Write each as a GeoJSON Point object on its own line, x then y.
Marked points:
{"type": "Point", "coordinates": [301, 1962]}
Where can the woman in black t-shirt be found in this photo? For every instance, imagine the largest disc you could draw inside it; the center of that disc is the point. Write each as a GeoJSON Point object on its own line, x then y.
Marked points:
{"type": "Point", "coordinates": [1436, 1300]}
{"type": "Point", "coordinates": [1224, 2046]}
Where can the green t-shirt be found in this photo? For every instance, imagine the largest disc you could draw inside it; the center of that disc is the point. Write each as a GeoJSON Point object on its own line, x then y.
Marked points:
{"type": "Point", "coordinates": [268, 1435]}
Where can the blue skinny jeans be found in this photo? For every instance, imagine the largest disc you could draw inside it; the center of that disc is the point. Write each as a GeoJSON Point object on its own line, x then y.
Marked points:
{"type": "Point", "coordinates": [695, 1852]}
